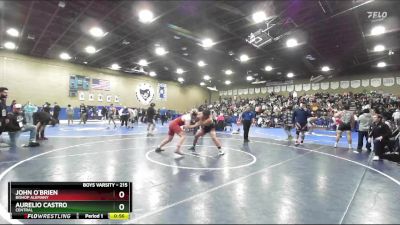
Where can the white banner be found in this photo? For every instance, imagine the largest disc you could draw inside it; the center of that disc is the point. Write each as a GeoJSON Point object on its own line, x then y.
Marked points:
{"type": "Point", "coordinates": [344, 84]}
{"type": "Point", "coordinates": [398, 80]}
{"type": "Point", "coordinates": [376, 82]}
{"type": "Point", "coordinates": [283, 88]}
{"type": "Point", "coordinates": [234, 92]}
{"type": "Point", "coordinates": [315, 86]}
{"type": "Point", "coordinates": [264, 90]}
{"type": "Point", "coordinates": [230, 92]}
{"type": "Point", "coordinates": [365, 82]}
{"type": "Point", "coordinates": [389, 81]}
{"type": "Point", "coordinates": [91, 97]}
{"type": "Point", "coordinates": [225, 92]}
{"type": "Point", "coordinates": [270, 89]}
{"type": "Point", "coordinates": [290, 88]}
{"type": "Point", "coordinates": [277, 89]}
{"type": "Point", "coordinates": [100, 97]}
{"type": "Point", "coordinates": [245, 91]}
{"type": "Point", "coordinates": [355, 83]}
{"type": "Point", "coordinates": [257, 90]}
{"type": "Point", "coordinates": [81, 96]}
{"type": "Point", "coordinates": [298, 87]}
{"type": "Point", "coordinates": [251, 91]}
{"type": "Point", "coordinates": [221, 93]}
{"type": "Point", "coordinates": [240, 92]}
{"type": "Point", "coordinates": [325, 86]}
{"type": "Point", "coordinates": [306, 87]}
{"type": "Point", "coordinates": [334, 85]}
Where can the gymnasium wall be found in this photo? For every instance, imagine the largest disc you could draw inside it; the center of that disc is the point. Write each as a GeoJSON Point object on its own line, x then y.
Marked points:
{"type": "Point", "coordinates": [395, 89]}
{"type": "Point", "coordinates": [40, 80]}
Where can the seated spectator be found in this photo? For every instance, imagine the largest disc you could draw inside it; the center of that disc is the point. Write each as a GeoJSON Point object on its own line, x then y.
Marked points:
{"type": "Point", "coordinates": [15, 126]}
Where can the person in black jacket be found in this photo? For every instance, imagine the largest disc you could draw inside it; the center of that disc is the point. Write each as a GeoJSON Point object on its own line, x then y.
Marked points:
{"type": "Point", "coordinates": [14, 124]}
{"type": "Point", "coordinates": [151, 112]}
{"type": "Point", "coordinates": [3, 107]}
{"type": "Point", "coordinates": [83, 111]}
{"type": "Point", "coordinates": [380, 133]}
{"type": "Point", "coordinates": [56, 112]}
{"type": "Point", "coordinates": [42, 119]}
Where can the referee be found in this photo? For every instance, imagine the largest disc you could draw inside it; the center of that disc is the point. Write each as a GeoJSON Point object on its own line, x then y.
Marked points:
{"type": "Point", "coordinates": [247, 119]}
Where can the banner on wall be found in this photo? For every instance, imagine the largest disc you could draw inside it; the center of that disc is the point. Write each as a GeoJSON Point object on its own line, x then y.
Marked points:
{"type": "Point", "coordinates": [270, 89]}
{"type": "Point", "coordinates": [283, 88]}
{"type": "Point", "coordinates": [144, 93]}
{"type": "Point", "coordinates": [162, 91]}
{"type": "Point", "coordinates": [81, 96]}
{"type": "Point", "coordinates": [108, 98]}
{"type": "Point", "coordinates": [365, 82]}
{"type": "Point", "coordinates": [264, 90]}
{"type": "Point", "coordinates": [315, 86]}
{"type": "Point", "coordinates": [344, 84]}
{"type": "Point", "coordinates": [298, 87]}
{"type": "Point", "coordinates": [245, 91]}
{"type": "Point", "coordinates": [91, 97]}
{"type": "Point", "coordinates": [257, 90]}
{"type": "Point", "coordinates": [306, 87]}
{"type": "Point", "coordinates": [389, 81]}
{"type": "Point", "coordinates": [221, 93]}
{"type": "Point", "coordinates": [116, 98]}
{"type": "Point", "coordinates": [240, 92]}
{"type": "Point", "coordinates": [398, 80]}
{"type": "Point", "coordinates": [99, 97]}
{"type": "Point", "coordinates": [325, 86]}
{"type": "Point", "coordinates": [376, 82]}
{"type": "Point", "coordinates": [290, 88]}
{"type": "Point", "coordinates": [355, 83]}
{"type": "Point", "coordinates": [230, 92]}
{"type": "Point", "coordinates": [275, 83]}
{"type": "Point", "coordinates": [234, 92]}
{"type": "Point", "coordinates": [277, 88]}
{"type": "Point", "coordinates": [334, 85]}
{"type": "Point", "coordinates": [251, 91]}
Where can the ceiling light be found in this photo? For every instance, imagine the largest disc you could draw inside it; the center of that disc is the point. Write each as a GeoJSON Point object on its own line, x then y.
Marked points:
{"type": "Point", "coordinates": [268, 68]}
{"type": "Point", "coordinates": [152, 74]}
{"type": "Point", "coordinates": [228, 82]}
{"type": "Point", "coordinates": [115, 66]}
{"type": "Point", "coordinates": [378, 30]}
{"type": "Point", "coordinates": [65, 56]}
{"type": "Point", "coordinates": [180, 79]}
{"type": "Point", "coordinates": [179, 71]}
{"type": "Point", "coordinates": [201, 63]}
{"type": "Point", "coordinates": [379, 48]}
{"type": "Point", "coordinates": [85, 62]}
{"type": "Point", "coordinates": [290, 75]}
{"type": "Point", "coordinates": [325, 68]}
{"type": "Point", "coordinates": [96, 32]}
{"type": "Point", "coordinates": [228, 72]}
{"type": "Point", "coordinates": [146, 16]}
{"type": "Point", "coordinates": [13, 32]}
{"type": "Point", "coordinates": [390, 52]}
{"type": "Point", "coordinates": [244, 58]}
{"type": "Point", "coordinates": [10, 45]}
{"type": "Point", "coordinates": [249, 78]}
{"type": "Point", "coordinates": [206, 77]}
{"type": "Point", "coordinates": [291, 43]}
{"type": "Point", "coordinates": [207, 43]}
{"type": "Point", "coordinates": [160, 51]}
{"type": "Point", "coordinates": [143, 62]}
{"type": "Point", "coordinates": [202, 83]}
{"type": "Point", "coordinates": [90, 49]}
{"type": "Point", "coordinates": [381, 64]}
{"type": "Point", "coordinates": [259, 17]}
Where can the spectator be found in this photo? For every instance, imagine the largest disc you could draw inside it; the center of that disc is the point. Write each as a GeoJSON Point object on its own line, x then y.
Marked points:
{"type": "Point", "coordinates": [379, 134]}
{"type": "Point", "coordinates": [29, 110]}
{"type": "Point", "coordinates": [70, 114]}
{"type": "Point", "coordinates": [150, 119]}
{"type": "Point", "coordinates": [365, 122]}
{"type": "Point", "coordinates": [56, 112]}
{"type": "Point", "coordinates": [83, 116]}
{"type": "Point", "coordinates": [3, 107]}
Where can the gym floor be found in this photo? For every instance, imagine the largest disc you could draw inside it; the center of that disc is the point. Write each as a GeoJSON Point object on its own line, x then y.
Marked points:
{"type": "Point", "coordinates": [268, 180]}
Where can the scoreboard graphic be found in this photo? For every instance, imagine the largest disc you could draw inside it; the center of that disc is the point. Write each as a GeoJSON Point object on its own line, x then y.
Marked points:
{"type": "Point", "coordinates": [70, 200]}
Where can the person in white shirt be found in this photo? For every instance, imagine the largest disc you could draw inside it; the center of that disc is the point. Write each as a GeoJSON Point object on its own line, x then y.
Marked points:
{"type": "Point", "coordinates": [396, 117]}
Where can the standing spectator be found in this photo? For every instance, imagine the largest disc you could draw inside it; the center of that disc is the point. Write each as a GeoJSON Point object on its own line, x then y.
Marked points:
{"type": "Point", "coordinates": [379, 134]}
{"type": "Point", "coordinates": [247, 119]}
{"type": "Point", "coordinates": [70, 114]}
{"type": "Point", "coordinates": [124, 112]}
{"type": "Point", "coordinates": [346, 124]}
{"type": "Point", "coordinates": [163, 116]}
{"type": "Point", "coordinates": [396, 117]}
{"type": "Point", "coordinates": [288, 122]}
{"type": "Point", "coordinates": [56, 112]}
{"type": "Point", "coordinates": [12, 105]}
{"type": "Point", "coordinates": [104, 113]}
{"type": "Point", "coordinates": [365, 122]}
{"type": "Point", "coordinates": [112, 113]}
{"type": "Point", "coordinates": [3, 107]}
{"type": "Point", "coordinates": [29, 110]}
{"type": "Point", "coordinates": [83, 116]}
{"type": "Point", "coordinates": [151, 112]}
